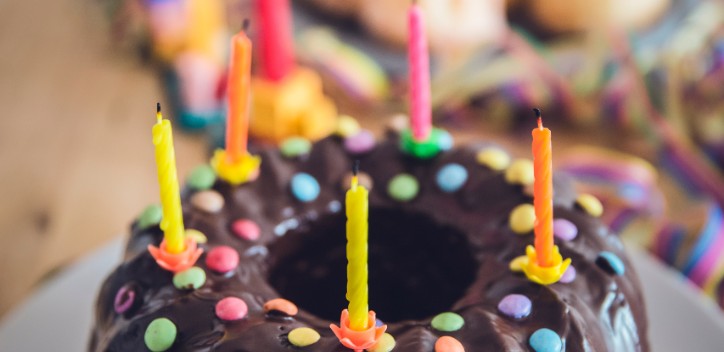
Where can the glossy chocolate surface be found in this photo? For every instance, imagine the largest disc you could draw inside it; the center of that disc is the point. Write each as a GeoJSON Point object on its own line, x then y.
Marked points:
{"type": "Point", "coordinates": [461, 242]}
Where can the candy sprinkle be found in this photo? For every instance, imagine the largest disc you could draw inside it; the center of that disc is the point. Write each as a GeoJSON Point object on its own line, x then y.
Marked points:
{"type": "Point", "coordinates": [569, 275]}
{"type": "Point", "coordinates": [281, 305]}
{"type": "Point", "coordinates": [160, 335]}
{"type": "Point", "coordinates": [231, 308]}
{"type": "Point", "coordinates": [451, 177]}
{"type": "Point", "coordinates": [360, 143]}
{"type": "Point", "coordinates": [448, 344]}
{"type": "Point", "coordinates": [208, 201]}
{"type": "Point", "coordinates": [516, 265]}
{"type": "Point", "coordinates": [305, 187]}
{"type": "Point", "coordinates": [522, 219]}
{"type": "Point", "coordinates": [302, 337]}
{"type": "Point", "coordinates": [346, 126]}
{"type": "Point", "coordinates": [222, 259]}
{"type": "Point", "coordinates": [590, 204]}
{"type": "Point", "coordinates": [293, 147]}
{"type": "Point", "coordinates": [385, 344]}
{"type": "Point", "coordinates": [447, 322]}
{"type": "Point", "coordinates": [125, 298]}
{"type": "Point", "coordinates": [197, 235]}
{"type": "Point", "coordinates": [545, 340]}
{"type": "Point", "coordinates": [515, 306]}
{"type": "Point", "coordinates": [494, 158]}
{"type": "Point", "coordinates": [520, 172]}
{"type": "Point", "coordinates": [564, 229]}
{"type": "Point", "coordinates": [190, 279]}
{"type": "Point", "coordinates": [246, 229]}
{"type": "Point", "coordinates": [610, 263]}
{"type": "Point", "coordinates": [403, 187]}
{"type": "Point", "coordinates": [150, 216]}
{"type": "Point", "coordinates": [201, 178]}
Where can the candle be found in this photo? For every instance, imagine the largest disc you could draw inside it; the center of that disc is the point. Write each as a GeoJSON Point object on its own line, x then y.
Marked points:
{"type": "Point", "coordinates": [357, 205]}
{"type": "Point", "coordinates": [275, 39]}
{"type": "Point", "coordinates": [237, 120]}
{"type": "Point", "coordinates": [417, 55]}
{"type": "Point", "coordinates": [543, 193]}
{"type": "Point", "coordinates": [172, 221]}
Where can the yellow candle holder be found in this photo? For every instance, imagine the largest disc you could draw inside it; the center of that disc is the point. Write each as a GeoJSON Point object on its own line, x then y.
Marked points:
{"type": "Point", "coordinates": [244, 170]}
{"type": "Point", "coordinates": [544, 275]}
{"type": "Point", "coordinates": [354, 339]}
{"type": "Point", "coordinates": [295, 106]}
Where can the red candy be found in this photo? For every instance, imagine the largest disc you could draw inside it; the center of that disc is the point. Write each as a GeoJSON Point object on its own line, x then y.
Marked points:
{"type": "Point", "coordinates": [246, 229]}
{"type": "Point", "coordinates": [231, 308]}
{"type": "Point", "coordinates": [222, 259]}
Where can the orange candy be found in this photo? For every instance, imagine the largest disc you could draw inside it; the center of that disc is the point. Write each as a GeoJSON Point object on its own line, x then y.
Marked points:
{"type": "Point", "coordinates": [448, 344]}
{"type": "Point", "coordinates": [282, 305]}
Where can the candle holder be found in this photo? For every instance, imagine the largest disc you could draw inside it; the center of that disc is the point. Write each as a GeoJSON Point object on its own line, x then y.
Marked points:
{"type": "Point", "coordinates": [358, 340]}
{"type": "Point", "coordinates": [236, 172]}
{"type": "Point", "coordinates": [294, 106]}
{"type": "Point", "coordinates": [439, 140]}
{"type": "Point", "coordinates": [176, 262]}
{"type": "Point", "coordinates": [544, 275]}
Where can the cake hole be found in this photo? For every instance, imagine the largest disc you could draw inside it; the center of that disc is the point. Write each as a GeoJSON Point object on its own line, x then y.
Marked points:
{"type": "Point", "coordinates": [417, 267]}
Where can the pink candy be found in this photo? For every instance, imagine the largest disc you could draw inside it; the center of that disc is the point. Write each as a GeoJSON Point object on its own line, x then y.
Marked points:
{"type": "Point", "coordinates": [231, 308]}
{"type": "Point", "coordinates": [246, 229]}
{"type": "Point", "coordinates": [222, 259]}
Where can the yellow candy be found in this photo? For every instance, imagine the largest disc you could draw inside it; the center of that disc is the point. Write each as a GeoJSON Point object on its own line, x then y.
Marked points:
{"type": "Point", "coordinates": [522, 219]}
{"type": "Point", "coordinates": [302, 337]}
{"type": "Point", "coordinates": [493, 158]}
{"type": "Point", "coordinates": [346, 126]}
{"type": "Point", "coordinates": [520, 172]}
{"type": "Point", "coordinates": [590, 204]}
{"type": "Point", "coordinates": [516, 265]}
{"type": "Point", "coordinates": [196, 235]}
{"type": "Point", "coordinates": [385, 344]}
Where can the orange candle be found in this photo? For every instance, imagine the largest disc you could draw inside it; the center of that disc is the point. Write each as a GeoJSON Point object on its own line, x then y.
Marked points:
{"type": "Point", "coordinates": [543, 193]}
{"type": "Point", "coordinates": [237, 118]}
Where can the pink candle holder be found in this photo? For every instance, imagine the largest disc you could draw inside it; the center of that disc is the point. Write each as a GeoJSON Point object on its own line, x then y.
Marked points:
{"type": "Point", "coordinates": [176, 262]}
{"type": "Point", "coordinates": [358, 340]}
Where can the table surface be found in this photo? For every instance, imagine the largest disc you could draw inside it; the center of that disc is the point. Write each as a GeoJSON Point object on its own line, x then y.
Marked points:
{"type": "Point", "coordinates": [76, 158]}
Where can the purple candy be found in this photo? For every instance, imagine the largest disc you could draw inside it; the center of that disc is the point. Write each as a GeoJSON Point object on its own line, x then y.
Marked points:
{"type": "Point", "coordinates": [125, 297]}
{"type": "Point", "coordinates": [564, 229]}
{"type": "Point", "coordinates": [360, 143]}
{"type": "Point", "coordinates": [569, 275]}
{"type": "Point", "coordinates": [515, 306]}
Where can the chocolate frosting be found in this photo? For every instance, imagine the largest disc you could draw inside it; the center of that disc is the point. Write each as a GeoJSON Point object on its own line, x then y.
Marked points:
{"type": "Point", "coordinates": [463, 249]}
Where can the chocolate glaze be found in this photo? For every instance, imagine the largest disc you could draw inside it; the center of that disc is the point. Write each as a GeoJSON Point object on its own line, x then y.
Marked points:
{"type": "Point", "coordinates": [596, 312]}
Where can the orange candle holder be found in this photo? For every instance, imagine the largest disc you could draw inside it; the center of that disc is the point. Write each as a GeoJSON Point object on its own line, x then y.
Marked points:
{"type": "Point", "coordinates": [354, 339]}
{"type": "Point", "coordinates": [544, 275]}
{"type": "Point", "coordinates": [176, 262]}
{"type": "Point", "coordinates": [293, 106]}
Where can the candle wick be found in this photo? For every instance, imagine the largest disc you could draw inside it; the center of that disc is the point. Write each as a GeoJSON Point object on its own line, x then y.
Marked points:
{"type": "Point", "coordinates": [158, 113]}
{"type": "Point", "coordinates": [245, 24]}
{"type": "Point", "coordinates": [355, 167]}
{"type": "Point", "coordinates": [540, 119]}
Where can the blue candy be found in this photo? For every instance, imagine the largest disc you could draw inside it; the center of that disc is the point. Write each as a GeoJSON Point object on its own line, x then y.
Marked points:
{"type": "Point", "coordinates": [444, 140]}
{"type": "Point", "coordinates": [451, 177]}
{"type": "Point", "coordinates": [305, 187]}
{"type": "Point", "coordinates": [545, 340]}
{"type": "Point", "coordinates": [611, 263]}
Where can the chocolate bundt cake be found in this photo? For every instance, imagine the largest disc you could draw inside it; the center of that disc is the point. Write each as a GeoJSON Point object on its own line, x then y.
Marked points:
{"type": "Point", "coordinates": [444, 235]}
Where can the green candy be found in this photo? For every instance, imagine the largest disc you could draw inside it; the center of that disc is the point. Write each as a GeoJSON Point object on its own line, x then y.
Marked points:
{"type": "Point", "coordinates": [403, 187]}
{"type": "Point", "coordinates": [295, 146]}
{"type": "Point", "coordinates": [447, 322]}
{"type": "Point", "coordinates": [160, 335]}
{"type": "Point", "coordinates": [201, 178]}
{"type": "Point", "coordinates": [191, 278]}
{"type": "Point", "coordinates": [150, 216]}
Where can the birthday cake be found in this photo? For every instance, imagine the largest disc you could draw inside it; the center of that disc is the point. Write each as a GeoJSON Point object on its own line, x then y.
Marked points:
{"type": "Point", "coordinates": [447, 242]}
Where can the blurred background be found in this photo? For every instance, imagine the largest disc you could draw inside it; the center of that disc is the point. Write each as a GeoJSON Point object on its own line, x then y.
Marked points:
{"type": "Point", "coordinates": [633, 91]}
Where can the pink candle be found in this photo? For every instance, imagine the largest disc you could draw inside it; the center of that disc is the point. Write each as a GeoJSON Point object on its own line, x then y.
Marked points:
{"type": "Point", "coordinates": [417, 55]}
{"type": "Point", "coordinates": [276, 48]}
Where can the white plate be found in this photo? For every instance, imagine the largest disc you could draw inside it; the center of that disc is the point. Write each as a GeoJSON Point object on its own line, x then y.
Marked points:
{"type": "Point", "coordinates": [58, 316]}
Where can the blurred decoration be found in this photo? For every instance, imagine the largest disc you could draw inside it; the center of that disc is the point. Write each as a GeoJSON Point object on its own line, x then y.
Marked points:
{"type": "Point", "coordinates": [648, 72]}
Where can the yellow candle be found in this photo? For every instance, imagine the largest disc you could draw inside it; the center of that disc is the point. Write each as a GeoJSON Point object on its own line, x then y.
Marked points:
{"type": "Point", "coordinates": [172, 222]}
{"type": "Point", "coordinates": [357, 205]}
